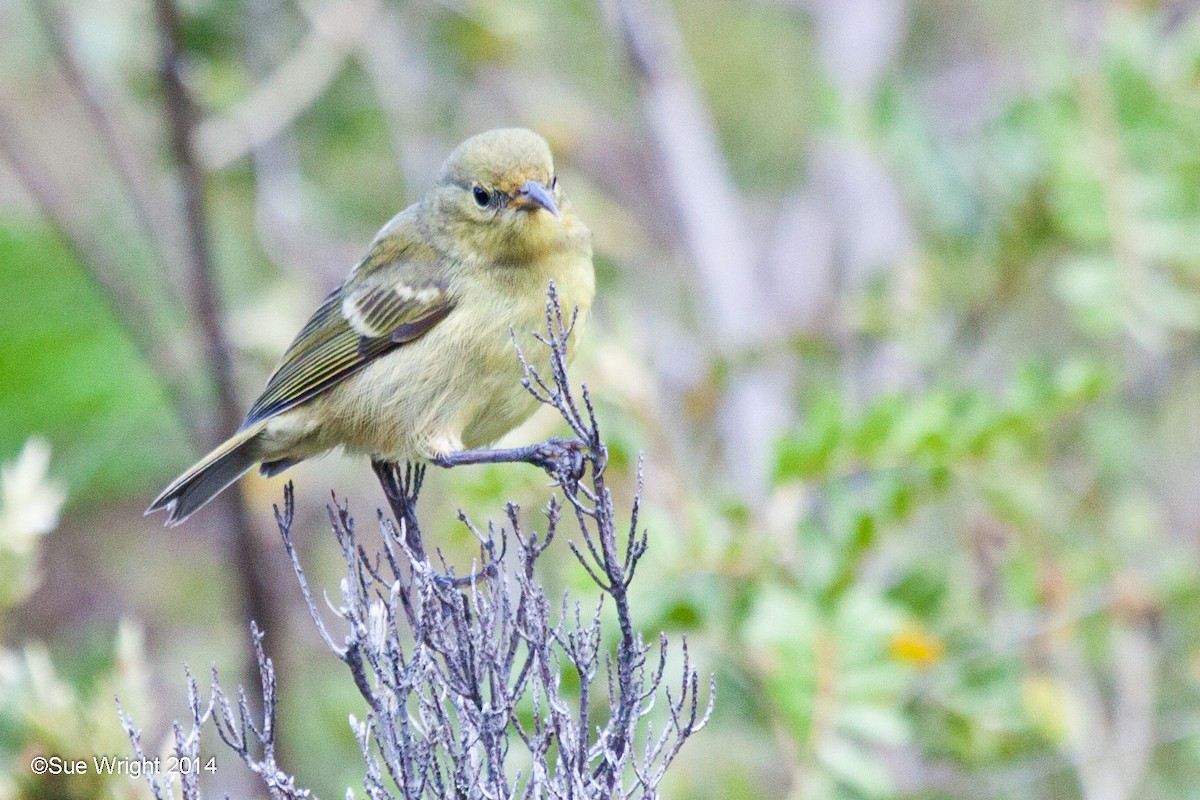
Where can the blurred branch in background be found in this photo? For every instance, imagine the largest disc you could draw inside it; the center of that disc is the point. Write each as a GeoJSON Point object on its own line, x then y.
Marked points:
{"type": "Point", "coordinates": [402, 79]}
{"type": "Point", "coordinates": [247, 556]}
{"type": "Point", "coordinates": [157, 327]}
{"type": "Point", "coordinates": [338, 27]}
{"type": "Point", "coordinates": [1111, 742]}
{"type": "Point", "coordinates": [314, 258]}
{"type": "Point", "coordinates": [129, 165]}
{"type": "Point", "coordinates": [736, 311]}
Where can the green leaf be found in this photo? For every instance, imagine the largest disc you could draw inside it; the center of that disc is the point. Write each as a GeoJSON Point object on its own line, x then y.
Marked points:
{"type": "Point", "coordinates": [68, 372]}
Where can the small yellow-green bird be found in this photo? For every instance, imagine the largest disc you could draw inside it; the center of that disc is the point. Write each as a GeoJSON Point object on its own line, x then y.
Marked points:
{"type": "Point", "coordinates": [411, 358]}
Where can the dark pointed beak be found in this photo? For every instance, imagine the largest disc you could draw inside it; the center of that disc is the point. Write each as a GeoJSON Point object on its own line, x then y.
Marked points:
{"type": "Point", "coordinates": [532, 196]}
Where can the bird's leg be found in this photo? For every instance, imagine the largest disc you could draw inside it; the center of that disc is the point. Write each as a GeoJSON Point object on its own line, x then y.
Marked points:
{"type": "Point", "coordinates": [559, 457]}
{"type": "Point", "coordinates": [401, 491]}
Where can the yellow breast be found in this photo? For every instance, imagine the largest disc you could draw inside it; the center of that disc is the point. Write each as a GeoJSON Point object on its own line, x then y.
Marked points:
{"type": "Point", "coordinates": [458, 386]}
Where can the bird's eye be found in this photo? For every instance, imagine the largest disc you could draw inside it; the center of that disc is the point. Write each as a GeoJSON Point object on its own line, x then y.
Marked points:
{"type": "Point", "coordinates": [481, 196]}
{"type": "Point", "coordinates": [553, 182]}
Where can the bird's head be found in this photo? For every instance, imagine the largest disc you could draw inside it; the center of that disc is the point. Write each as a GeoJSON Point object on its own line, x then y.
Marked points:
{"type": "Point", "coordinates": [499, 199]}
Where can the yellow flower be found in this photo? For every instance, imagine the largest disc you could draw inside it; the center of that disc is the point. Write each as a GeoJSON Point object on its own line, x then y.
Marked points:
{"type": "Point", "coordinates": [1048, 706]}
{"type": "Point", "coordinates": [913, 644]}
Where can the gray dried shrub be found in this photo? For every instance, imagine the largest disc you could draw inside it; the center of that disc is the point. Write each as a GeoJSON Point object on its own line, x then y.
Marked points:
{"type": "Point", "coordinates": [463, 675]}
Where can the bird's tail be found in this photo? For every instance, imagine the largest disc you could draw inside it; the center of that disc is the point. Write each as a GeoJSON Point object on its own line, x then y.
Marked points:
{"type": "Point", "coordinates": [209, 477]}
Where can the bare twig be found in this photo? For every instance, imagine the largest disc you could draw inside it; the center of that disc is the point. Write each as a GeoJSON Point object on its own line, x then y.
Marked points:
{"type": "Point", "coordinates": [250, 736]}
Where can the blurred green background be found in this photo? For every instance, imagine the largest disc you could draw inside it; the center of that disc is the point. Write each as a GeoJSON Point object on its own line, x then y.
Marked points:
{"type": "Point", "coordinates": [899, 298]}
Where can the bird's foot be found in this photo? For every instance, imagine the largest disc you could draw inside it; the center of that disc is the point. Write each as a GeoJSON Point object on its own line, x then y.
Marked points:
{"type": "Point", "coordinates": [451, 581]}
{"type": "Point", "coordinates": [561, 457]}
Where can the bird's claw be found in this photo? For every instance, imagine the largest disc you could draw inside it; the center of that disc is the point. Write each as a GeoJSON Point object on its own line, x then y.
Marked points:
{"type": "Point", "coordinates": [561, 458]}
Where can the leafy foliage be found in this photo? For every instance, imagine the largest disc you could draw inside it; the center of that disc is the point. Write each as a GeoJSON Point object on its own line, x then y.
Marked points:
{"type": "Point", "coordinates": [69, 373]}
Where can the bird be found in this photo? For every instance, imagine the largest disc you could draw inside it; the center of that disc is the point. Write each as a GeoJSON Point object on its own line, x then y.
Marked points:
{"type": "Point", "coordinates": [411, 358]}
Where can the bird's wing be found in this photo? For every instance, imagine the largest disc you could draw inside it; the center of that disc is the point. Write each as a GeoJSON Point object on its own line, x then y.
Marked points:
{"type": "Point", "coordinates": [398, 293]}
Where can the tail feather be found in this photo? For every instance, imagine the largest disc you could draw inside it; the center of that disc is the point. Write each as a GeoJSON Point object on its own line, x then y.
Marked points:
{"type": "Point", "coordinates": [209, 477]}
